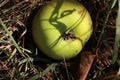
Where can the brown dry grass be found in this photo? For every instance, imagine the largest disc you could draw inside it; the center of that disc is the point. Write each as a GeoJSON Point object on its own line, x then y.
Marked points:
{"type": "Point", "coordinates": [17, 14]}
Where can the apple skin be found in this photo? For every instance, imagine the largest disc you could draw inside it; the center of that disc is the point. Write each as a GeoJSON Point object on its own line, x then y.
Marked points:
{"type": "Point", "coordinates": [61, 28]}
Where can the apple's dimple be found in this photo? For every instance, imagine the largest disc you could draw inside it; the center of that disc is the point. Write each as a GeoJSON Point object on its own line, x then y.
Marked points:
{"type": "Point", "coordinates": [61, 28]}
{"type": "Point", "coordinates": [69, 36]}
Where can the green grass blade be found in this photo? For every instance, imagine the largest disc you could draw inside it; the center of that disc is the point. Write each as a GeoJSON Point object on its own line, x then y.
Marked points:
{"type": "Point", "coordinates": [112, 4]}
{"type": "Point", "coordinates": [66, 69]}
{"type": "Point", "coordinates": [12, 39]}
{"type": "Point", "coordinates": [18, 76]}
{"type": "Point", "coordinates": [25, 60]}
{"type": "Point", "coordinates": [117, 36]}
{"type": "Point", "coordinates": [41, 74]}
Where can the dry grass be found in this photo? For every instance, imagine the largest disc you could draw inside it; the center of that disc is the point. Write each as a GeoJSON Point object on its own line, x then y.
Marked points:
{"type": "Point", "coordinates": [19, 57]}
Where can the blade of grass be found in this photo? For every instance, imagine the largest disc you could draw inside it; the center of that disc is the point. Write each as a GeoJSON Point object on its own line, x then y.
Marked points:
{"type": "Point", "coordinates": [25, 60]}
{"type": "Point", "coordinates": [26, 50]}
{"type": "Point", "coordinates": [66, 69]}
{"type": "Point", "coordinates": [117, 36]}
{"type": "Point", "coordinates": [112, 4]}
{"type": "Point", "coordinates": [11, 37]}
{"type": "Point", "coordinates": [34, 59]}
{"type": "Point", "coordinates": [13, 53]}
{"type": "Point", "coordinates": [18, 76]}
{"type": "Point", "coordinates": [41, 74]}
{"type": "Point", "coordinates": [3, 41]}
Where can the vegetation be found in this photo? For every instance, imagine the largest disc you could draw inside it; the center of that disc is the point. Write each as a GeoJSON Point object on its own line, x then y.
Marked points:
{"type": "Point", "coordinates": [21, 60]}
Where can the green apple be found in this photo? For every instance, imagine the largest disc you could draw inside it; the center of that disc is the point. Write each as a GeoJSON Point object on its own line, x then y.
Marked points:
{"type": "Point", "coordinates": [61, 28]}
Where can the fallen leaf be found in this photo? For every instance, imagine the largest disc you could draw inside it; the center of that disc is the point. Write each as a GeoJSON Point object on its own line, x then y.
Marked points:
{"type": "Point", "coordinates": [82, 65]}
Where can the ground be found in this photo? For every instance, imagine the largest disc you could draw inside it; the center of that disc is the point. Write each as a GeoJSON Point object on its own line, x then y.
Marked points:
{"type": "Point", "coordinates": [21, 60]}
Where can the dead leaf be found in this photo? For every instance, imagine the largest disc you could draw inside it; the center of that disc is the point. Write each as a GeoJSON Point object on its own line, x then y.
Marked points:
{"type": "Point", "coordinates": [82, 65]}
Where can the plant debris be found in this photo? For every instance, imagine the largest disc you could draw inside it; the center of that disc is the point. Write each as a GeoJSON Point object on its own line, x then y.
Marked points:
{"type": "Point", "coordinates": [16, 14]}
